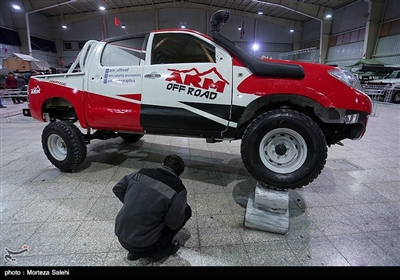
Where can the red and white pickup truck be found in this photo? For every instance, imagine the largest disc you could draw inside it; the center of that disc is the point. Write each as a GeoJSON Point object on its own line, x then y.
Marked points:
{"type": "Point", "coordinates": [183, 83]}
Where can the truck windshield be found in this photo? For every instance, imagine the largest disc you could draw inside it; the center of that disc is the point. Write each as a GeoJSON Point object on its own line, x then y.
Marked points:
{"type": "Point", "coordinates": [393, 75]}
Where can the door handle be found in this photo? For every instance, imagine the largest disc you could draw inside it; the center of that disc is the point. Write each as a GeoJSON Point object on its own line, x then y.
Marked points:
{"type": "Point", "coordinates": [152, 75]}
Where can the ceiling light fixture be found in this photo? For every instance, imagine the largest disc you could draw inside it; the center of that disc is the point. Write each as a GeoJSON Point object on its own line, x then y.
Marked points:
{"type": "Point", "coordinates": [16, 7]}
{"type": "Point", "coordinates": [123, 26]}
{"type": "Point", "coordinates": [102, 8]}
{"type": "Point", "coordinates": [328, 16]}
{"type": "Point", "coordinates": [260, 11]}
{"type": "Point", "coordinates": [64, 25]}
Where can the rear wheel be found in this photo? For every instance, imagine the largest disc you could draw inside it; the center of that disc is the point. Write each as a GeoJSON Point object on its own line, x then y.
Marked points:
{"type": "Point", "coordinates": [284, 149]}
{"type": "Point", "coordinates": [64, 145]}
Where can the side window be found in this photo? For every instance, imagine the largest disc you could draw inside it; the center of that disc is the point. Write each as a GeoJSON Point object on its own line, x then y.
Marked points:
{"type": "Point", "coordinates": [123, 53]}
{"type": "Point", "coordinates": [181, 48]}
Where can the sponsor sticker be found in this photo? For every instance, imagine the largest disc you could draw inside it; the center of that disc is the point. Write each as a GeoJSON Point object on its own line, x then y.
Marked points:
{"type": "Point", "coordinates": [205, 84]}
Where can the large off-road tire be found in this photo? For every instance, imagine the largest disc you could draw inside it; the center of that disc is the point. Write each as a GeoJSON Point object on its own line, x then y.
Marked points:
{"type": "Point", "coordinates": [64, 145]}
{"type": "Point", "coordinates": [284, 149]}
{"type": "Point", "coordinates": [130, 137]}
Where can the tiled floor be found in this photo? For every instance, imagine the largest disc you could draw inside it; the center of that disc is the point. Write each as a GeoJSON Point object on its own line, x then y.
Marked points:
{"type": "Point", "coordinates": [349, 216]}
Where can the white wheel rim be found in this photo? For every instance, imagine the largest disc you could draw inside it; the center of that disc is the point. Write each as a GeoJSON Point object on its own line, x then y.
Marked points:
{"type": "Point", "coordinates": [57, 147]}
{"type": "Point", "coordinates": [283, 150]}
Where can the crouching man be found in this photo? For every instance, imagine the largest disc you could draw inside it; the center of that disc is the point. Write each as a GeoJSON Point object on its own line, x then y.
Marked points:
{"type": "Point", "coordinates": [154, 210]}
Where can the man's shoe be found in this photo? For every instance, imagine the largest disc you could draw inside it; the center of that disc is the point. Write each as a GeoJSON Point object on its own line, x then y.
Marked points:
{"type": "Point", "coordinates": [170, 250]}
{"type": "Point", "coordinates": [132, 256]}
{"type": "Point", "coordinates": [3, 106]}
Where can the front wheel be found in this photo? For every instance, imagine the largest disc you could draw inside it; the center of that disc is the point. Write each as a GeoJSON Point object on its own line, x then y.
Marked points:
{"type": "Point", "coordinates": [64, 145]}
{"type": "Point", "coordinates": [284, 149]}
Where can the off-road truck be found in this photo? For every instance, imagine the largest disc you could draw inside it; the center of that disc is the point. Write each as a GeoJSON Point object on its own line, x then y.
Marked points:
{"type": "Point", "coordinates": [184, 83]}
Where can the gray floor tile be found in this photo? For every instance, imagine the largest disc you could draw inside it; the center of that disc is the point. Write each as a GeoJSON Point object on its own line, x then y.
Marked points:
{"type": "Point", "coordinates": [72, 209]}
{"type": "Point", "coordinates": [104, 209]}
{"type": "Point", "coordinates": [330, 221]}
{"type": "Point", "coordinates": [226, 255]}
{"type": "Point", "coordinates": [91, 259]}
{"type": "Point", "coordinates": [389, 241]}
{"type": "Point", "coordinates": [256, 236]}
{"type": "Point", "coordinates": [218, 230]}
{"type": "Point", "coordinates": [46, 239]}
{"type": "Point", "coordinates": [317, 251]}
{"type": "Point", "coordinates": [390, 210]}
{"type": "Point", "coordinates": [215, 204]}
{"type": "Point", "coordinates": [10, 208]}
{"type": "Point", "coordinates": [37, 210]}
{"type": "Point", "coordinates": [360, 250]}
{"type": "Point", "coordinates": [91, 237]}
{"type": "Point", "coordinates": [24, 192]}
{"type": "Point", "coordinates": [273, 253]}
{"type": "Point", "coordinates": [87, 190]}
{"type": "Point", "coordinates": [364, 218]}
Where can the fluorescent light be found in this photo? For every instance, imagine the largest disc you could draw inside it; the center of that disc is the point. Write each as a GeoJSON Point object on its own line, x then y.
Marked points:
{"type": "Point", "coordinates": [102, 8]}
{"type": "Point", "coordinates": [291, 30]}
{"type": "Point", "coordinates": [16, 7]}
{"type": "Point", "coordinates": [260, 11]}
{"type": "Point", "coordinates": [328, 16]}
{"type": "Point", "coordinates": [64, 26]}
{"type": "Point", "coordinates": [123, 26]}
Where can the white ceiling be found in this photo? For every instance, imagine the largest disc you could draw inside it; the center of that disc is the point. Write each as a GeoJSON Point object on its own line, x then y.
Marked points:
{"type": "Point", "coordinates": [292, 10]}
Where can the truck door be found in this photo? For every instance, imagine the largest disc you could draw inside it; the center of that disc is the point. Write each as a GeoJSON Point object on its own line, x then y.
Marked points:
{"type": "Point", "coordinates": [114, 84]}
{"type": "Point", "coordinates": [186, 85]}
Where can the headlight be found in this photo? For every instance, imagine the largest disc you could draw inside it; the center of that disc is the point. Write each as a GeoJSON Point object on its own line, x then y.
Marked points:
{"type": "Point", "coordinates": [346, 77]}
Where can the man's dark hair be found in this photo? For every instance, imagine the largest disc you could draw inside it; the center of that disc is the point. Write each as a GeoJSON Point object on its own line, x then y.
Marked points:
{"type": "Point", "coordinates": [175, 162]}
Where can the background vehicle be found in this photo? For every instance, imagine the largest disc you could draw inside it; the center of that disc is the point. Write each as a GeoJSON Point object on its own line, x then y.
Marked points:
{"type": "Point", "coordinates": [388, 87]}
{"type": "Point", "coordinates": [184, 83]}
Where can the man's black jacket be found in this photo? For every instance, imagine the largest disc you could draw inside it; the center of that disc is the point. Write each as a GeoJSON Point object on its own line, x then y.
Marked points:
{"type": "Point", "coordinates": [152, 198]}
